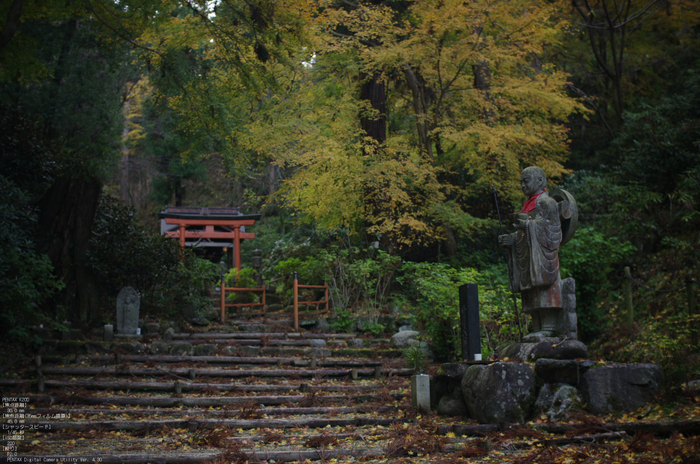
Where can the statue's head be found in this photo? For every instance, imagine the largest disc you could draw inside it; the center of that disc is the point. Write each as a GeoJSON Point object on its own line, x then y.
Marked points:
{"type": "Point", "coordinates": [532, 180]}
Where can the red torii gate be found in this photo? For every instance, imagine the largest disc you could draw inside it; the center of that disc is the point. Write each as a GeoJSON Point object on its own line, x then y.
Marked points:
{"type": "Point", "coordinates": [199, 226]}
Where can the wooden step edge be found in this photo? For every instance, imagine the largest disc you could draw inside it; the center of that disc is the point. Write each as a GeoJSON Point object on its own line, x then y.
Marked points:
{"type": "Point", "coordinates": [184, 386]}
{"type": "Point", "coordinates": [215, 401]}
{"type": "Point", "coordinates": [238, 373]}
{"type": "Point", "coordinates": [263, 411]}
{"type": "Point", "coordinates": [234, 335]}
{"type": "Point", "coordinates": [194, 424]}
{"type": "Point", "coordinates": [234, 360]}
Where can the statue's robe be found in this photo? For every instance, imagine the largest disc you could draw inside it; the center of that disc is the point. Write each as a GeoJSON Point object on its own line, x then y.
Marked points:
{"type": "Point", "coordinates": [534, 258]}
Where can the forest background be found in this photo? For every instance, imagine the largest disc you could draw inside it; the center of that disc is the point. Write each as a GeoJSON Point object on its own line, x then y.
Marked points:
{"type": "Point", "coordinates": [371, 136]}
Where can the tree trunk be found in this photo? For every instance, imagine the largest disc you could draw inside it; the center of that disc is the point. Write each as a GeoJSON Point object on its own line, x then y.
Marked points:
{"type": "Point", "coordinates": [272, 178]}
{"type": "Point", "coordinates": [67, 212]}
{"type": "Point", "coordinates": [374, 91]}
{"type": "Point", "coordinates": [421, 104]}
{"type": "Point", "coordinates": [124, 182]}
{"type": "Point", "coordinates": [13, 20]}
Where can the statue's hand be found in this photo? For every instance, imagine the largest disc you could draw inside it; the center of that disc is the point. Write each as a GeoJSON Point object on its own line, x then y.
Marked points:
{"type": "Point", "coordinates": [520, 224]}
{"type": "Point", "coordinates": [506, 240]}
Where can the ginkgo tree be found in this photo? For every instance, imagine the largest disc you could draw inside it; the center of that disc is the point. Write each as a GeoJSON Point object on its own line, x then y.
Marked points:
{"type": "Point", "coordinates": [467, 101]}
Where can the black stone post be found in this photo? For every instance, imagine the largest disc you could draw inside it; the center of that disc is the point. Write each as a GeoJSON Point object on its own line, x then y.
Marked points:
{"type": "Point", "coordinates": [469, 322]}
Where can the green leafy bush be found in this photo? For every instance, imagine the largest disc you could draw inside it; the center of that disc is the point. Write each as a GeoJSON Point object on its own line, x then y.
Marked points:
{"type": "Point", "coordinates": [26, 276]}
{"type": "Point", "coordinates": [592, 258]}
{"type": "Point", "coordinates": [359, 279]}
{"type": "Point", "coordinates": [171, 280]}
{"type": "Point", "coordinates": [243, 279]}
{"type": "Point", "coordinates": [434, 289]}
{"type": "Point", "coordinates": [415, 358]}
{"type": "Point", "coordinates": [344, 321]}
{"type": "Point", "coordinates": [309, 272]}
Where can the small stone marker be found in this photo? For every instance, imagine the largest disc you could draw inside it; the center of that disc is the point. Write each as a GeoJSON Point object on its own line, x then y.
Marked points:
{"type": "Point", "coordinates": [420, 391]}
{"type": "Point", "coordinates": [109, 332]}
{"type": "Point", "coordinates": [128, 305]}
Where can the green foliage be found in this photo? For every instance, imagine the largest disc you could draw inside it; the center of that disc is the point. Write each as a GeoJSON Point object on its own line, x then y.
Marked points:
{"type": "Point", "coordinates": [344, 321]}
{"type": "Point", "coordinates": [415, 358]}
{"type": "Point", "coordinates": [79, 106]}
{"type": "Point", "coordinates": [668, 338]}
{"type": "Point", "coordinates": [309, 272]}
{"type": "Point", "coordinates": [123, 253]}
{"type": "Point", "coordinates": [243, 279]}
{"type": "Point", "coordinates": [26, 275]}
{"type": "Point", "coordinates": [169, 279]}
{"type": "Point", "coordinates": [359, 278]}
{"type": "Point", "coordinates": [499, 323]}
{"type": "Point", "coordinates": [595, 261]}
{"type": "Point", "coordinates": [434, 289]}
{"type": "Point", "coordinates": [372, 327]}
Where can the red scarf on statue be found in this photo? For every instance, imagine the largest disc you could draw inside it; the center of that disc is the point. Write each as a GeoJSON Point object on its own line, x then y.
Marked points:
{"type": "Point", "coordinates": [531, 203]}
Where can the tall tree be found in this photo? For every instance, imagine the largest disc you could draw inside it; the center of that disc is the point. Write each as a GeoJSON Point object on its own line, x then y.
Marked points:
{"type": "Point", "coordinates": [622, 54]}
{"type": "Point", "coordinates": [461, 129]}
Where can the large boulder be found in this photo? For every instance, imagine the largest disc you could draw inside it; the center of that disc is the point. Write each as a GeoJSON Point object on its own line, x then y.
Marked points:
{"type": "Point", "coordinates": [558, 401]}
{"type": "Point", "coordinates": [557, 370]}
{"type": "Point", "coordinates": [550, 348]}
{"type": "Point", "coordinates": [622, 388]}
{"type": "Point", "coordinates": [400, 339]}
{"type": "Point", "coordinates": [500, 392]}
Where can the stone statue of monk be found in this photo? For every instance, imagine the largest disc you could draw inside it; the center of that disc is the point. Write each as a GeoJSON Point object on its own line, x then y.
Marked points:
{"type": "Point", "coordinates": [533, 255]}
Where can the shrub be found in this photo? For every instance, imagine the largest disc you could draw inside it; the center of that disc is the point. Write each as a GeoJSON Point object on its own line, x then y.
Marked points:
{"type": "Point", "coordinates": [171, 280]}
{"type": "Point", "coordinates": [243, 279]}
{"type": "Point", "coordinates": [591, 258]}
{"type": "Point", "coordinates": [26, 276]}
{"type": "Point", "coordinates": [434, 289]}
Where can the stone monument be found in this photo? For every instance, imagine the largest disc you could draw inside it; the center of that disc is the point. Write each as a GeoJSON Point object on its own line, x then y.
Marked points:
{"type": "Point", "coordinates": [547, 221]}
{"type": "Point", "coordinates": [128, 305]}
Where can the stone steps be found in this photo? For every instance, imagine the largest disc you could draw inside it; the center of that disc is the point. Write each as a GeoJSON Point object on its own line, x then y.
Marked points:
{"type": "Point", "coordinates": [249, 382]}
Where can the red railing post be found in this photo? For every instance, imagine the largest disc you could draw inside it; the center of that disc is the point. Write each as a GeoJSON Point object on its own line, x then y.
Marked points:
{"type": "Point", "coordinates": [296, 302]}
{"type": "Point", "coordinates": [223, 298]}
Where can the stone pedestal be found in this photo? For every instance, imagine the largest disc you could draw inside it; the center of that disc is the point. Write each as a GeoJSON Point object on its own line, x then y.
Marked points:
{"type": "Point", "coordinates": [420, 391]}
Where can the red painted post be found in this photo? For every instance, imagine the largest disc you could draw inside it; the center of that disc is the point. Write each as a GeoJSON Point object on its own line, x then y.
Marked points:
{"type": "Point", "coordinates": [296, 302]}
{"type": "Point", "coordinates": [237, 247]}
{"type": "Point", "coordinates": [183, 233]}
{"type": "Point", "coordinates": [327, 305]}
{"type": "Point", "coordinates": [223, 298]}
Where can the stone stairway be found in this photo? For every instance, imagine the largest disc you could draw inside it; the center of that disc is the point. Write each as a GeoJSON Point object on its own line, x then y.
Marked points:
{"type": "Point", "coordinates": [249, 390]}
